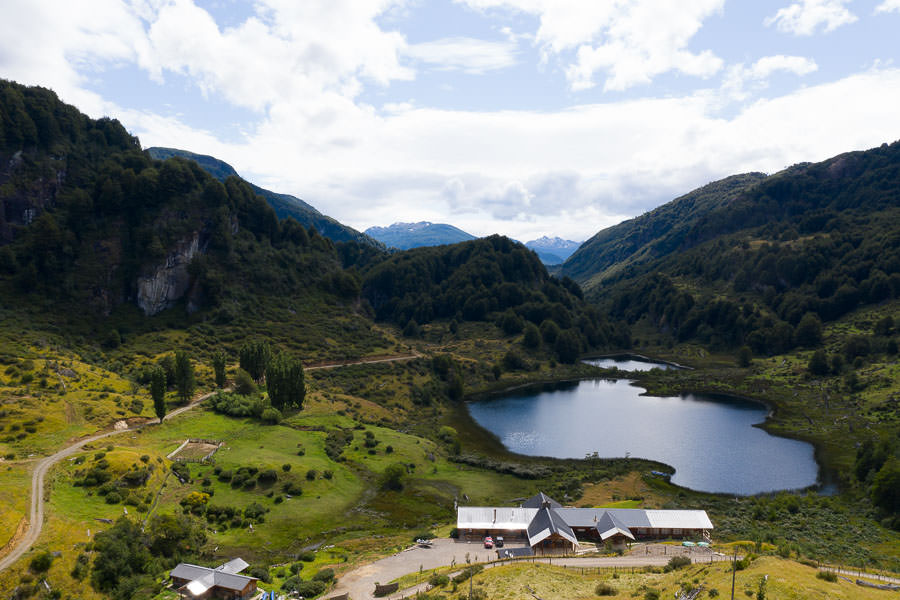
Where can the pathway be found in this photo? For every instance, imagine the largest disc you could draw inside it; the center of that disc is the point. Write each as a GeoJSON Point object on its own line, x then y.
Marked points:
{"type": "Point", "coordinates": [363, 361]}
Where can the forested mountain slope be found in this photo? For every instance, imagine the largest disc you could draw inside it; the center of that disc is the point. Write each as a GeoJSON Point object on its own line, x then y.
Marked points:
{"type": "Point", "coordinates": [817, 239]}
{"type": "Point", "coordinates": [93, 225]}
{"type": "Point", "coordinates": [284, 205]}
{"type": "Point", "coordinates": [653, 234]}
{"type": "Point", "coordinates": [492, 278]}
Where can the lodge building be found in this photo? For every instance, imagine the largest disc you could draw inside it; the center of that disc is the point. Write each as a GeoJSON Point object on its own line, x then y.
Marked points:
{"type": "Point", "coordinates": [545, 524]}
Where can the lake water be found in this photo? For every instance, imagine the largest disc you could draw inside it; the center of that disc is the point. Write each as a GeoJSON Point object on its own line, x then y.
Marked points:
{"type": "Point", "coordinates": [710, 441]}
{"type": "Point", "coordinates": [628, 363]}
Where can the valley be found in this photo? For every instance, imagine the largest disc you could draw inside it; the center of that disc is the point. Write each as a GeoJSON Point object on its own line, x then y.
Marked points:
{"type": "Point", "coordinates": [333, 378]}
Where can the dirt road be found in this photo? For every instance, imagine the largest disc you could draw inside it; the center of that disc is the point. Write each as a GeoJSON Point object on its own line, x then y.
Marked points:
{"type": "Point", "coordinates": [36, 512]}
{"type": "Point", "coordinates": [363, 361]}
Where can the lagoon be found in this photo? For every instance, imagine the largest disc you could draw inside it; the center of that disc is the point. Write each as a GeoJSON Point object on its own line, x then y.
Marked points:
{"type": "Point", "coordinates": [710, 441]}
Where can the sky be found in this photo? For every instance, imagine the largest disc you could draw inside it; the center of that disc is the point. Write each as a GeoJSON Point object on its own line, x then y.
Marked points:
{"type": "Point", "coordinates": [519, 117]}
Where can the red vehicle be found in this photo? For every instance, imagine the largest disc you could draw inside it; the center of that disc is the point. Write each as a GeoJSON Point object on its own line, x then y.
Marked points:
{"type": "Point", "coordinates": [488, 542]}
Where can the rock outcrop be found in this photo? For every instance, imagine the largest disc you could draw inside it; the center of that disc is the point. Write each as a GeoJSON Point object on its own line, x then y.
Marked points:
{"type": "Point", "coordinates": [170, 281]}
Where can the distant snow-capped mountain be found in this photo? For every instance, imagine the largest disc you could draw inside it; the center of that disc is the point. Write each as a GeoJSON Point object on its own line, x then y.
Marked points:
{"type": "Point", "coordinates": [552, 251]}
{"type": "Point", "coordinates": [413, 235]}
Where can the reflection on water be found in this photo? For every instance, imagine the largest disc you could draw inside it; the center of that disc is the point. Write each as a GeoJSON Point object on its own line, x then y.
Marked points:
{"type": "Point", "coordinates": [709, 440]}
{"type": "Point", "coordinates": [628, 363]}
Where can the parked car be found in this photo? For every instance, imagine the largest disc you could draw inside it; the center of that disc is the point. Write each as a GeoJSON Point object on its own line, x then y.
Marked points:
{"type": "Point", "coordinates": [488, 542]}
{"type": "Point", "coordinates": [499, 541]}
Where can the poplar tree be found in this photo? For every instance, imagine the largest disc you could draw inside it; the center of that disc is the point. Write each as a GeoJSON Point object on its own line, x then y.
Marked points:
{"type": "Point", "coordinates": [158, 391]}
{"type": "Point", "coordinates": [184, 375]}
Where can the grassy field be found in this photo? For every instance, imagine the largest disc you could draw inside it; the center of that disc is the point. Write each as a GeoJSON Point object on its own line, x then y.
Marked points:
{"type": "Point", "coordinates": [784, 579]}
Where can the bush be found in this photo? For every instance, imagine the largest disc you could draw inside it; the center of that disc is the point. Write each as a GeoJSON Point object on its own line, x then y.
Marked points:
{"type": "Point", "coordinates": [260, 573]}
{"type": "Point", "coordinates": [41, 563]}
{"type": "Point", "coordinates": [285, 467]}
{"type": "Point", "coordinates": [271, 416]}
{"type": "Point", "coordinates": [326, 575]}
{"type": "Point", "coordinates": [438, 580]}
{"type": "Point", "coordinates": [829, 576]}
{"type": "Point", "coordinates": [467, 573]}
{"type": "Point", "coordinates": [307, 556]}
{"type": "Point", "coordinates": [312, 474]}
{"type": "Point", "coordinates": [604, 589]}
{"type": "Point", "coordinates": [677, 562]}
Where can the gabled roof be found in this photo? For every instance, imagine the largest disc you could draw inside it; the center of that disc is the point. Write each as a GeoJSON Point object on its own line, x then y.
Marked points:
{"type": "Point", "coordinates": [546, 523]}
{"type": "Point", "coordinates": [539, 500]}
{"type": "Point", "coordinates": [235, 565]}
{"type": "Point", "coordinates": [609, 525]}
{"type": "Point", "coordinates": [201, 579]}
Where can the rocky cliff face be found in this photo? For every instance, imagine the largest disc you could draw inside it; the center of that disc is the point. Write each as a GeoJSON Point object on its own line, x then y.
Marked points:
{"type": "Point", "coordinates": [170, 281]}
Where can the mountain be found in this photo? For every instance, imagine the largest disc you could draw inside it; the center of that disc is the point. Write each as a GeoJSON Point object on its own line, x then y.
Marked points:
{"type": "Point", "coordinates": [284, 205]}
{"type": "Point", "coordinates": [404, 236]}
{"type": "Point", "coordinates": [488, 279]}
{"type": "Point", "coordinates": [754, 260]}
{"type": "Point", "coordinates": [94, 226]}
{"type": "Point", "coordinates": [553, 251]}
{"type": "Point", "coordinates": [653, 234]}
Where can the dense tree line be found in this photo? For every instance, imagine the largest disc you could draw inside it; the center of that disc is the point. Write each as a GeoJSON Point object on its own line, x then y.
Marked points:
{"type": "Point", "coordinates": [489, 279]}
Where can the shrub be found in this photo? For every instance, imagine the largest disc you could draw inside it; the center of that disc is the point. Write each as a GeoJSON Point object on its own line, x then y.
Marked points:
{"type": "Point", "coordinates": [41, 563]}
{"type": "Point", "coordinates": [467, 573]}
{"type": "Point", "coordinates": [651, 594]}
{"type": "Point", "coordinates": [327, 473]}
{"type": "Point", "coordinates": [438, 580]}
{"type": "Point", "coordinates": [260, 573]}
{"type": "Point", "coordinates": [829, 576]}
{"type": "Point", "coordinates": [307, 556]}
{"type": "Point", "coordinates": [325, 575]}
{"type": "Point", "coordinates": [605, 589]}
{"type": "Point", "coordinates": [312, 474]}
{"type": "Point", "coordinates": [271, 416]}
{"type": "Point", "coordinates": [677, 562]}
{"type": "Point", "coordinates": [285, 467]}
{"type": "Point", "coordinates": [268, 476]}
{"type": "Point", "coordinates": [113, 498]}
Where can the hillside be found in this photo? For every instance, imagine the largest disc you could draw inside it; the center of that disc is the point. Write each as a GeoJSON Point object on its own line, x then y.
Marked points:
{"type": "Point", "coordinates": [654, 234]}
{"type": "Point", "coordinates": [404, 236]}
{"type": "Point", "coordinates": [284, 205]}
{"type": "Point", "coordinates": [816, 239]}
{"type": "Point", "coordinates": [553, 251]}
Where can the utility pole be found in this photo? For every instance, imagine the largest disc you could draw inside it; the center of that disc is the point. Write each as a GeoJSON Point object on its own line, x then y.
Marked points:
{"type": "Point", "coordinates": [733, 571]}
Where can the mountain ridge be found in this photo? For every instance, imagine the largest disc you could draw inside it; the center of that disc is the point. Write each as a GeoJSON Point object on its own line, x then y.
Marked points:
{"type": "Point", "coordinates": [284, 205]}
{"type": "Point", "coordinates": [405, 236]}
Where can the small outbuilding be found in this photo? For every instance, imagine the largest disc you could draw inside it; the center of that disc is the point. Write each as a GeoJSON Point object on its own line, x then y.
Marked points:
{"type": "Point", "coordinates": [221, 583]}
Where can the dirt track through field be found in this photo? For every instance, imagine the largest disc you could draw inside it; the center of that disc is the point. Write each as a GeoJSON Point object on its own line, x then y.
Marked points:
{"type": "Point", "coordinates": [36, 512]}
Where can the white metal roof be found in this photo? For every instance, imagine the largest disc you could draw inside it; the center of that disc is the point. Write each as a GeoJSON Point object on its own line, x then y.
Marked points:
{"type": "Point", "coordinates": [489, 517]}
{"type": "Point", "coordinates": [679, 519]}
{"type": "Point", "coordinates": [202, 585]}
{"type": "Point", "coordinates": [235, 565]}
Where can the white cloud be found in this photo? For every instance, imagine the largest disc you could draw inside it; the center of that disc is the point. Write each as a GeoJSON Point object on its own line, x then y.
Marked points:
{"type": "Point", "coordinates": [888, 6]}
{"type": "Point", "coordinates": [631, 41]}
{"type": "Point", "coordinates": [739, 77]}
{"type": "Point", "coordinates": [806, 16]}
{"type": "Point", "coordinates": [465, 54]}
{"type": "Point", "coordinates": [565, 172]}
{"type": "Point", "coordinates": [61, 43]}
